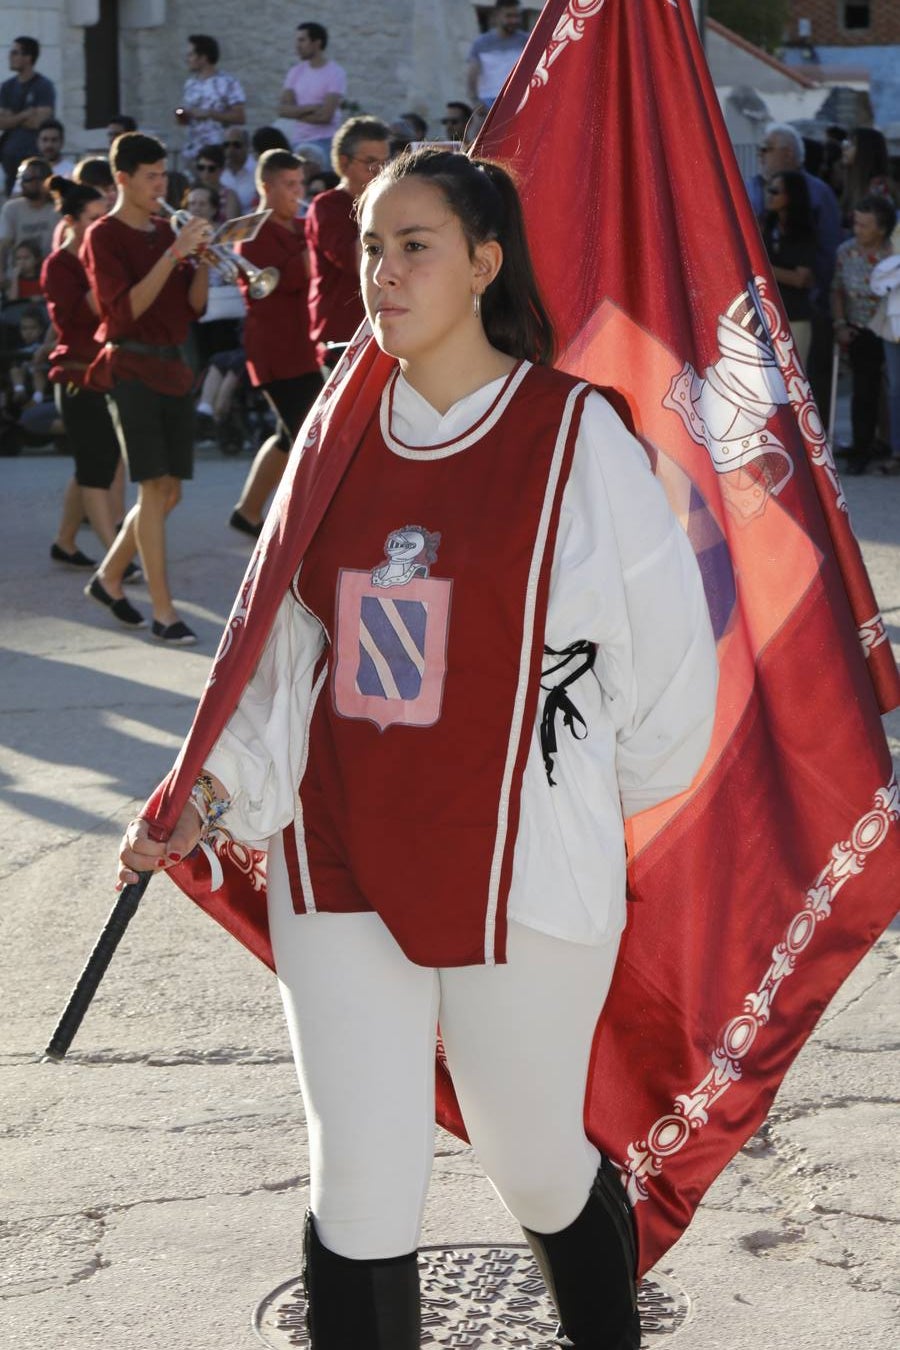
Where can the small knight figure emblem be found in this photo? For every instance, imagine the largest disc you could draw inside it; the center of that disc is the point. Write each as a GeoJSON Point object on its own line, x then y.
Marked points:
{"type": "Point", "coordinates": [391, 650]}
{"type": "Point", "coordinates": [410, 553]}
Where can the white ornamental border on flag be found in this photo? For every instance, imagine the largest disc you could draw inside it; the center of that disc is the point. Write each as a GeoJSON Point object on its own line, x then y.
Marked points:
{"type": "Point", "coordinates": [569, 28]}
{"type": "Point", "coordinates": [872, 633]}
{"type": "Point", "coordinates": [799, 389]}
{"type": "Point", "coordinates": [669, 1133]}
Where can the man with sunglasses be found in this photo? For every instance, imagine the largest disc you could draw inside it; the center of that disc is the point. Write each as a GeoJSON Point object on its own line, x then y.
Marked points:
{"type": "Point", "coordinates": [240, 168]}
{"type": "Point", "coordinates": [455, 120]}
{"type": "Point", "coordinates": [360, 149]}
{"type": "Point", "coordinates": [780, 150]}
{"type": "Point", "coordinates": [26, 100]}
{"type": "Point", "coordinates": [30, 215]}
{"type": "Point", "coordinates": [209, 169]}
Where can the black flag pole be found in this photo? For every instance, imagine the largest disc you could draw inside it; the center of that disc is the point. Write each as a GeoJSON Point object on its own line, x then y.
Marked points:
{"type": "Point", "coordinates": [120, 917]}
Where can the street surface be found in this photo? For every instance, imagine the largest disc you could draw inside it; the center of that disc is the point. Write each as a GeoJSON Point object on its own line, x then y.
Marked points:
{"type": "Point", "coordinates": [154, 1184]}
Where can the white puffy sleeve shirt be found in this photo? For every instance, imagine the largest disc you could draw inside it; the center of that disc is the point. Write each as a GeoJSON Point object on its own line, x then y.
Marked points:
{"type": "Point", "coordinates": [624, 576]}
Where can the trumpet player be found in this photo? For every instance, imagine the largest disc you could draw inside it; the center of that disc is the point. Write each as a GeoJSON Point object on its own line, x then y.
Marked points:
{"type": "Point", "coordinates": [150, 283]}
{"type": "Point", "coordinates": [281, 356]}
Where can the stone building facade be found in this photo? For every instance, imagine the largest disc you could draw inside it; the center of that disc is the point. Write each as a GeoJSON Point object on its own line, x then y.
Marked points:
{"type": "Point", "coordinates": [398, 54]}
{"type": "Point", "coordinates": [836, 35]}
{"type": "Point", "coordinates": [845, 23]}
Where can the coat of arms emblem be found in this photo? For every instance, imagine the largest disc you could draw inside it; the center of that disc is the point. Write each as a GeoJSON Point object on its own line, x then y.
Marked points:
{"type": "Point", "coordinates": [391, 635]}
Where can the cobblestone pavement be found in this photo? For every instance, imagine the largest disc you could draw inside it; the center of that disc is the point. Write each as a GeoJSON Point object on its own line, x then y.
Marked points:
{"type": "Point", "coordinates": [154, 1184]}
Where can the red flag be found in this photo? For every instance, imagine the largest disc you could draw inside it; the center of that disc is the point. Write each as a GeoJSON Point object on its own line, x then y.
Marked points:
{"type": "Point", "coordinates": [757, 892]}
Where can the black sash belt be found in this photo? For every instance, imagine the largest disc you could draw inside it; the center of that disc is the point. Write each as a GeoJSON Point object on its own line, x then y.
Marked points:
{"type": "Point", "coordinates": [558, 701]}
{"type": "Point", "coordinates": [148, 349]}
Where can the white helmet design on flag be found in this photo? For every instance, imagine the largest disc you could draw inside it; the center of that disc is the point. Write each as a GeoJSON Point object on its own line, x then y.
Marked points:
{"type": "Point", "coordinates": [729, 409]}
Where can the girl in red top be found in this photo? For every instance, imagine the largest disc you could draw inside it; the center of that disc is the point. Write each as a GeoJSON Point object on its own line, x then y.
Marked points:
{"type": "Point", "coordinates": [489, 535]}
{"type": "Point", "coordinates": [85, 416]}
{"type": "Point", "coordinates": [25, 278]}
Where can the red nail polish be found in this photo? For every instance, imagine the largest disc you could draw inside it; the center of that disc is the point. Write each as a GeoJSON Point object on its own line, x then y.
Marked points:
{"type": "Point", "coordinates": [174, 857]}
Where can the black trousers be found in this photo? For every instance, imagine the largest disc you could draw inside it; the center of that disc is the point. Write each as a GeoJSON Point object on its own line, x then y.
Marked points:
{"type": "Point", "coordinates": [866, 357]}
{"type": "Point", "coordinates": [819, 360]}
{"type": "Point", "coordinates": [292, 400]}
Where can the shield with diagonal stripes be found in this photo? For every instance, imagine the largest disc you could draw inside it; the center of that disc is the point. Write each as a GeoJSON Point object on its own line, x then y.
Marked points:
{"type": "Point", "coordinates": [391, 649]}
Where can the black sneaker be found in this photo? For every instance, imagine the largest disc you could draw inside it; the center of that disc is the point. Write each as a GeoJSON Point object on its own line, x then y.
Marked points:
{"type": "Point", "coordinates": [76, 559]}
{"type": "Point", "coordinates": [204, 427]}
{"type": "Point", "coordinates": [230, 436]}
{"type": "Point", "coordinates": [132, 574]}
{"type": "Point", "coordinates": [245, 526]}
{"type": "Point", "coordinates": [120, 609]}
{"type": "Point", "coordinates": [175, 634]}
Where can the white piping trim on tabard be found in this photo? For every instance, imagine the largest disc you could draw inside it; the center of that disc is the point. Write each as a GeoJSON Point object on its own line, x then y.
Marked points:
{"type": "Point", "coordinates": [454, 447]}
{"type": "Point", "coordinates": [306, 886]}
{"type": "Point", "coordinates": [515, 733]}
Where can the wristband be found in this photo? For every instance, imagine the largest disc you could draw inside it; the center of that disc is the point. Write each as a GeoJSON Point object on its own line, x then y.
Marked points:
{"type": "Point", "coordinates": [208, 806]}
{"type": "Point", "coordinates": [172, 256]}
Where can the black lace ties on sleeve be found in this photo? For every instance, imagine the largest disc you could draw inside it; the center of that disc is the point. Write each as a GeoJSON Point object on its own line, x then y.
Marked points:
{"type": "Point", "coordinates": [558, 701]}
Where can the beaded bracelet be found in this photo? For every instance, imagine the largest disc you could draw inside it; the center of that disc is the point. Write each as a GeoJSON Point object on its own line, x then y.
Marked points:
{"type": "Point", "coordinates": [209, 807]}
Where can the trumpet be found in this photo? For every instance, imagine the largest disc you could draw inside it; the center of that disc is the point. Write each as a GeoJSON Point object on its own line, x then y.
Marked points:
{"type": "Point", "coordinates": [261, 280]}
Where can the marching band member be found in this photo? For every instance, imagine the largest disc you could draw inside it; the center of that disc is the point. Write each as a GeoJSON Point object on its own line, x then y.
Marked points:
{"type": "Point", "coordinates": [281, 357]}
{"type": "Point", "coordinates": [150, 284]}
{"type": "Point", "coordinates": [85, 416]}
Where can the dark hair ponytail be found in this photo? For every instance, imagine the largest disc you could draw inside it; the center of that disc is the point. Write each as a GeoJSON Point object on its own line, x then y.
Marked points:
{"type": "Point", "coordinates": [514, 314]}
{"type": "Point", "coordinates": [800, 221]}
{"type": "Point", "coordinates": [69, 197]}
{"type": "Point", "coordinates": [483, 197]}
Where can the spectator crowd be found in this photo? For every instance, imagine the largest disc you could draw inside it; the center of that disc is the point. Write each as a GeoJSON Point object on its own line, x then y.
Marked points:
{"type": "Point", "coordinates": [258, 352]}
{"type": "Point", "coordinates": [217, 179]}
{"type": "Point", "coordinates": [828, 214]}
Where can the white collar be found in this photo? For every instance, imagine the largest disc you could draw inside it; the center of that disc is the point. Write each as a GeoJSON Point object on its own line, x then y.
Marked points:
{"type": "Point", "coordinates": [413, 429]}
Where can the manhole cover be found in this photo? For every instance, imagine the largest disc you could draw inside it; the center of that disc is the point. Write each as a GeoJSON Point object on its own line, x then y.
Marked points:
{"type": "Point", "coordinates": [477, 1296]}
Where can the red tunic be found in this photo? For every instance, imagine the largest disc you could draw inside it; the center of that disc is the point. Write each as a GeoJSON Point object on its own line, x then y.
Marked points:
{"type": "Point", "coordinates": [335, 306]}
{"type": "Point", "coordinates": [67, 287]}
{"type": "Point", "coordinates": [276, 329]}
{"type": "Point", "coordinates": [116, 257]}
{"type": "Point", "coordinates": [433, 594]}
{"type": "Point", "coordinates": [29, 288]}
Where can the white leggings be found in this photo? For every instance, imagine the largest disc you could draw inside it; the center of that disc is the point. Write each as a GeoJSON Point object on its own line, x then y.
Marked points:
{"type": "Point", "coordinates": [363, 1020]}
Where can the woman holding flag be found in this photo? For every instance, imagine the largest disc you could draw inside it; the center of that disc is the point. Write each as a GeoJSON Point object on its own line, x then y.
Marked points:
{"type": "Point", "coordinates": [489, 563]}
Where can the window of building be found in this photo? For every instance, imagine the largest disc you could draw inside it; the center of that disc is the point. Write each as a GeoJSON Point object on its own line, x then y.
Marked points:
{"type": "Point", "coordinates": [101, 66]}
{"type": "Point", "coordinates": [857, 16]}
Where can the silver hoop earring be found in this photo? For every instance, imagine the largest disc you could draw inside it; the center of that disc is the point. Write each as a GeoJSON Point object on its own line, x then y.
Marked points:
{"type": "Point", "coordinates": [476, 304]}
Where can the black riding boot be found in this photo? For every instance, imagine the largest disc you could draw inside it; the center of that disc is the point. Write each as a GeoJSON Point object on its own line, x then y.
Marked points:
{"type": "Point", "coordinates": [590, 1269]}
{"type": "Point", "coordinates": [359, 1305]}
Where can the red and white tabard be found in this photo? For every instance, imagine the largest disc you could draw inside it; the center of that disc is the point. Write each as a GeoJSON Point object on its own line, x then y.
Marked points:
{"type": "Point", "coordinates": [429, 574]}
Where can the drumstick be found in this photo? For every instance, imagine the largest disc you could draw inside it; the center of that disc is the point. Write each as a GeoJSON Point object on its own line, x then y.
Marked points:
{"type": "Point", "coordinates": [120, 916]}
